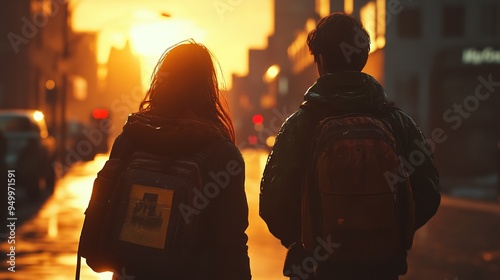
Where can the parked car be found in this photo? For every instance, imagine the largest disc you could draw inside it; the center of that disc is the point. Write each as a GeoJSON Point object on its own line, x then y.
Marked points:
{"type": "Point", "coordinates": [30, 150]}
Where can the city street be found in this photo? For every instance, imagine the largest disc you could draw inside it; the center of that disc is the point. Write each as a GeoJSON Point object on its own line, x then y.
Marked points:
{"type": "Point", "coordinates": [461, 242]}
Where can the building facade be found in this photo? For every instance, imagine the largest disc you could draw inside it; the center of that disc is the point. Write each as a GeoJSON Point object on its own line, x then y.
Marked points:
{"type": "Point", "coordinates": [448, 50]}
{"type": "Point", "coordinates": [255, 97]}
{"type": "Point", "coordinates": [123, 90]}
{"type": "Point", "coordinates": [32, 51]}
{"type": "Point", "coordinates": [44, 65]}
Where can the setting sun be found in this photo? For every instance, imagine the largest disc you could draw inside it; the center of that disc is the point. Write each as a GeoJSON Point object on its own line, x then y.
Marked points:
{"type": "Point", "coordinates": [151, 26]}
{"type": "Point", "coordinates": [151, 39]}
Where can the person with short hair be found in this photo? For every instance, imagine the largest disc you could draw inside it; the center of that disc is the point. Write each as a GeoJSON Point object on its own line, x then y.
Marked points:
{"type": "Point", "coordinates": [340, 46]}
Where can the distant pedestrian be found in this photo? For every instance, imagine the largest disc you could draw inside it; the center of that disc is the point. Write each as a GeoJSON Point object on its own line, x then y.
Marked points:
{"type": "Point", "coordinates": [334, 190]}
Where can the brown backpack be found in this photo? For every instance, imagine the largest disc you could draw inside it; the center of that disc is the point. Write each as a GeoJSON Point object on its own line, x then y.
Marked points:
{"type": "Point", "coordinates": [348, 195]}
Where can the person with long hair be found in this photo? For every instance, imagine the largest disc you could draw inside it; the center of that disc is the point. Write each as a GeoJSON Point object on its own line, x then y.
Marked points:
{"type": "Point", "coordinates": [184, 112]}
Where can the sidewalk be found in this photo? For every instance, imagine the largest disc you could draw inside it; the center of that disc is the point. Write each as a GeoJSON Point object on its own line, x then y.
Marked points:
{"type": "Point", "coordinates": [480, 188]}
{"type": "Point", "coordinates": [459, 242]}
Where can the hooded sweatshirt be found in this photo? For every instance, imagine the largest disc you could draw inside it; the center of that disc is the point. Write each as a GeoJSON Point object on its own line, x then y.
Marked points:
{"type": "Point", "coordinates": [332, 95]}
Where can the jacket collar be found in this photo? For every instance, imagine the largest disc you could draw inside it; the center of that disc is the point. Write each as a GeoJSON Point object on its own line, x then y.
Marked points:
{"type": "Point", "coordinates": [347, 91]}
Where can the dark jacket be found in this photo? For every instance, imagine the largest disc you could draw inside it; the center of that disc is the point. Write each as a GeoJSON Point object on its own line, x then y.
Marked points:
{"type": "Point", "coordinates": [221, 240]}
{"type": "Point", "coordinates": [336, 94]}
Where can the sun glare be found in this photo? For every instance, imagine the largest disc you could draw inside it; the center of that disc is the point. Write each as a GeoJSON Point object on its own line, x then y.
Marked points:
{"type": "Point", "coordinates": [151, 39]}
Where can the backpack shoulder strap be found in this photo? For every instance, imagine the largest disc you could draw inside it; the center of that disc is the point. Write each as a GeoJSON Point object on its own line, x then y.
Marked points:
{"type": "Point", "coordinates": [119, 157]}
{"type": "Point", "coordinates": [78, 266]}
{"type": "Point", "coordinates": [319, 110]}
{"type": "Point", "coordinates": [211, 148]}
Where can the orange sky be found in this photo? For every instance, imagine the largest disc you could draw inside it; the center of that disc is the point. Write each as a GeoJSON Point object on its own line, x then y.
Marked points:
{"type": "Point", "coordinates": [227, 27]}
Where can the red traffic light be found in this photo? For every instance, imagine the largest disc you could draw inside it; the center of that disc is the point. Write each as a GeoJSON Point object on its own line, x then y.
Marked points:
{"type": "Point", "coordinates": [100, 114]}
{"type": "Point", "coordinates": [253, 140]}
{"type": "Point", "coordinates": [258, 119]}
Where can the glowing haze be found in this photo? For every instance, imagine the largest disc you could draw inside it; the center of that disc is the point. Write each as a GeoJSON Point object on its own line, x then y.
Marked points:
{"type": "Point", "coordinates": [227, 27]}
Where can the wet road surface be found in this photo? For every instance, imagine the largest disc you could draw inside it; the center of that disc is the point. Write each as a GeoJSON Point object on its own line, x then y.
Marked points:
{"type": "Point", "coordinates": [461, 242]}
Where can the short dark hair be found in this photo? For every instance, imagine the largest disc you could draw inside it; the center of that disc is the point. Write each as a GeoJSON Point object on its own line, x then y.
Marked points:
{"type": "Point", "coordinates": [342, 41]}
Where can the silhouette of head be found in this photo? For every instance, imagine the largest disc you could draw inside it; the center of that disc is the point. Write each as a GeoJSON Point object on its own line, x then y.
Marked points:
{"type": "Point", "coordinates": [185, 85]}
{"type": "Point", "coordinates": [339, 43]}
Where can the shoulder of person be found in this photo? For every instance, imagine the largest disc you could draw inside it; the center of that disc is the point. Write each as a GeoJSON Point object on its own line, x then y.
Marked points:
{"type": "Point", "coordinates": [224, 157]}
{"type": "Point", "coordinates": [400, 119]}
{"type": "Point", "coordinates": [405, 129]}
{"type": "Point", "coordinates": [122, 147]}
{"type": "Point", "coordinates": [305, 116]}
{"type": "Point", "coordinates": [223, 151]}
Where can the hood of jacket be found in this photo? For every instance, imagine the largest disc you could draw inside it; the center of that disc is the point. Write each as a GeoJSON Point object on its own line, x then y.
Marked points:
{"type": "Point", "coordinates": [170, 135]}
{"type": "Point", "coordinates": [346, 92]}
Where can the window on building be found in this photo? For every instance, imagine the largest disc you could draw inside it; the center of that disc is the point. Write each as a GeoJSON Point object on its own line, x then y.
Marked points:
{"type": "Point", "coordinates": [323, 8]}
{"type": "Point", "coordinates": [410, 23]}
{"type": "Point", "coordinates": [453, 21]}
{"type": "Point", "coordinates": [43, 6]}
{"type": "Point", "coordinates": [372, 15]}
{"type": "Point", "coordinates": [348, 6]}
{"type": "Point", "coordinates": [489, 19]}
{"type": "Point", "coordinates": [368, 16]}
